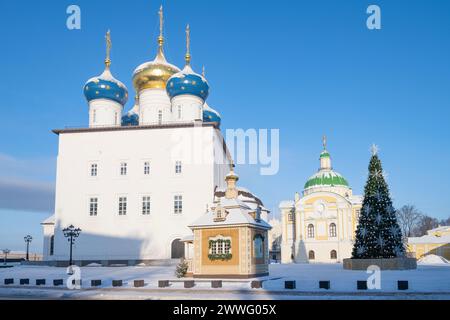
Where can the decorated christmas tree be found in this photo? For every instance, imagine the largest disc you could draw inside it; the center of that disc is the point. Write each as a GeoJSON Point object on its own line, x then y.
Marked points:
{"type": "Point", "coordinates": [378, 234]}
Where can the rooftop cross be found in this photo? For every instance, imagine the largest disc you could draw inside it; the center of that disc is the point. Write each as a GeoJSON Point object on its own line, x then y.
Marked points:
{"type": "Point", "coordinates": [161, 25]}
{"type": "Point", "coordinates": [188, 45]}
{"type": "Point", "coordinates": [108, 49]}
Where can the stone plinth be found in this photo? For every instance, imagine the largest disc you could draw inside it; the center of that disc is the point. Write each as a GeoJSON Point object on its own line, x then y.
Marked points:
{"type": "Point", "coordinates": [383, 264]}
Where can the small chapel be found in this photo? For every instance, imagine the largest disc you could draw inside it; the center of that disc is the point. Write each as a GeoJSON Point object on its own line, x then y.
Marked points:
{"type": "Point", "coordinates": [231, 239]}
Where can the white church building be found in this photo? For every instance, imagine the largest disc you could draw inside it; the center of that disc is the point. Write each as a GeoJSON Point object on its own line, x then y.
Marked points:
{"type": "Point", "coordinates": [133, 182]}
{"type": "Point", "coordinates": [319, 224]}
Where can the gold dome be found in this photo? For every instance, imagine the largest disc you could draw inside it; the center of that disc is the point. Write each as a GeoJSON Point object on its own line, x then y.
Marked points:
{"type": "Point", "coordinates": [154, 74]}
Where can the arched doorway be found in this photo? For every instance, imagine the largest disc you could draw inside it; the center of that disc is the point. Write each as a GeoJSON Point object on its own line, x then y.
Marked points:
{"type": "Point", "coordinates": [177, 249]}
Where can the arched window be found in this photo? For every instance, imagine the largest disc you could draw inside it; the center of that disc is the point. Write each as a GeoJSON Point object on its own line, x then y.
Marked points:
{"type": "Point", "coordinates": [333, 254]}
{"type": "Point", "coordinates": [310, 231]}
{"type": "Point", "coordinates": [52, 244]}
{"type": "Point", "coordinates": [311, 255]}
{"type": "Point", "coordinates": [258, 246]}
{"type": "Point", "coordinates": [333, 232]}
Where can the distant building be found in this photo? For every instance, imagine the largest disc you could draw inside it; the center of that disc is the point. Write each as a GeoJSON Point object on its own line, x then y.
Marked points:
{"type": "Point", "coordinates": [320, 224]}
{"type": "Point", "coordinates": [275, 240]}
{"type": "Point", "coordinates": [436, 241]}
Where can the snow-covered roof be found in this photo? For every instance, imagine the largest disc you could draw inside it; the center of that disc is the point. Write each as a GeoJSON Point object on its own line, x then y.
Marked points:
{"type": "Point", "coordinates": [244, 195]}
{"type": "Point", "coordinates": [439, 229]}
{"type": "Point", "coordinates": [238, 214]}
{"type": "Point", "coordinates": [429, 239]}
{"type": "Point", "coordinates": [189, 238]}
{"type": "Point", "coordinates": [49, 220]}
{"type": "Point", "coordinates": [286, 204]}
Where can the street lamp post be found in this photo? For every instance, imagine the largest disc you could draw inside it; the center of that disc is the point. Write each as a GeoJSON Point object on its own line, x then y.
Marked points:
{"type": "Point", "coordinates": [5, 252]}
{"type": "Point", "coordinates": [28, 240]}
{"type": "Point", "coordinates": [71, 233]}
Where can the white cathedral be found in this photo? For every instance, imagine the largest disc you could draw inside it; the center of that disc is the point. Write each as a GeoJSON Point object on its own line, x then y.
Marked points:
{"type": "Point", "coordinates": [319, 225]}
{"type": "Point", "coordinates": [129, 180]}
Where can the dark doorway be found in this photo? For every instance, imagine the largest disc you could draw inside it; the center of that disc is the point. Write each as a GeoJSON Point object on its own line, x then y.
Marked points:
{"type": "Point", "coordinates": [177, 249]}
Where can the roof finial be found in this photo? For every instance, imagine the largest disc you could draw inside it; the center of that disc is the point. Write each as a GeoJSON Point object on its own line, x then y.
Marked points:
{"type": "Point", "coordinates": [324, 142]}
{"type": "Point", "coordinates": [161, 24]}
{"type": "Point", "coordinates": [203, 72]}
{"type": "Point", "coordinates": [188, 45]}
{"type": "Point", "coordinates": [108, 49]}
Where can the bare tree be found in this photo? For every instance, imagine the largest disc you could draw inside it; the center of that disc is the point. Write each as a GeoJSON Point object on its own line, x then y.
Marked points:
{"type": "Point", "coordinates": [445, 222]}
{"type": "Point", "coordinates": [426, 223]}
{"type": "Point", "coordinates": [408, 217]}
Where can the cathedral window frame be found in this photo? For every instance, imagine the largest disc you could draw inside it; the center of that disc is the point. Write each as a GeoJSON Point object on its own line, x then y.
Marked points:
{"type": "Point", "coordinates": [123, 168]}
{"type": "Point", "coordinates": [146, 205]}
{"type": "Point", "coordinates": [160, 117]}
{"type": "Point", "coordinates": [93, 206]}
{"type": "Point", "coordinates": [178, 167]}
{"type": "Point", "coordinates": [333, 254]}
{"type": "Point", "coordinates": [179, 112]}
{"type": "Point", "coordinates": [178, 204]}
{"type": "Point", "coordinates": [93, 169]}
{"type": "Point", "coordinates": [332, 229]}
{"type": "Point", "coordinates": [122, 205]}
{"type": "Point", "coordinates": [146, 165]}
{"type": "Point", "coordinates": [310, 231]}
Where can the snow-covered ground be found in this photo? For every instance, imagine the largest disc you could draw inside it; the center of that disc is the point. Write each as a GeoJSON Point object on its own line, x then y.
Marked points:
{"type": "Point", "coordinates": [427, 282]}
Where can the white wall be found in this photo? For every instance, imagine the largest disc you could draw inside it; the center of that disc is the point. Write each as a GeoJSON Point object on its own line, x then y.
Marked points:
{"type": "Point", "coordinates": [109, 236]}
{"type": "Point", "coordinates": [104, 112]}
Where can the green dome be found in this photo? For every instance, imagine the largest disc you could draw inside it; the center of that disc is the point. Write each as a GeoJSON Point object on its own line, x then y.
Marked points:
{"type": "Point", "coordinates": [326, 178]}
{"type": "Point", "coordinates": [325, 154]}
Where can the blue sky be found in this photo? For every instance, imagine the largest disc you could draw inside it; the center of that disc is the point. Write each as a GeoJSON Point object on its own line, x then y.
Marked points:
{"type": "Point", "coordinates": [308, 68]}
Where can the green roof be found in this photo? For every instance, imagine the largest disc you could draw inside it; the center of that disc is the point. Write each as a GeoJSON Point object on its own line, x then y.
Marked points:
{"type": "Point", "coordinates": [326, 178]}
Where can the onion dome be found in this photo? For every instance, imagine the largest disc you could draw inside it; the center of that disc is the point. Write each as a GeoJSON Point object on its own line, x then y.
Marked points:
{"type": "Point", "coordinates": [105, 86]}
{"type": "Point", "coordinates": [210, 115]}
{"type": "Point", "coordinates": [131, 118]}
{"type": "Point", "coordinates": [187, 81]}
{"type": "Point", "coordinates": [154, 74]}
{"type": "Point", "coordinates": [326, 176]}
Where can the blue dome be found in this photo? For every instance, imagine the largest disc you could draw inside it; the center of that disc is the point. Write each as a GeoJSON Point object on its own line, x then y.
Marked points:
{"type": "Point", "coordinates": [187, 82]}
{"type": "Point", "coordinates": [210, 115]}
{"type": "Point", "coordinates": [130, 119]}
{"type": "Point", "coordinates": [106, 86]}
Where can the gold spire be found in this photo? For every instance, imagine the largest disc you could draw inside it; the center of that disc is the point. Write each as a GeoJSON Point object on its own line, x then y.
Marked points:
{"type": "Point", "coordinates": [324, 142]}
{"type": "Point", "coordinates": [108, 49]}
{"type": "Point", "coordinates": [188, 45]}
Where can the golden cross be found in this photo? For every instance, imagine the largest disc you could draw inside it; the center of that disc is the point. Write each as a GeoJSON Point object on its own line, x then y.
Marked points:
{"type": "Point", "coordinates": [161, 24]}
{"type": "Point", "coordinates": [188, 44]}
{"type": "Point", "coordinates": [161, 20]}
{"type": "Point", "coordinates": [108, 48]}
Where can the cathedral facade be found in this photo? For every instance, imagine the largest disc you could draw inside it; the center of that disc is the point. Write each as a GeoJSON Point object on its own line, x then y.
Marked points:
{"type": "Point", "coordinates": [134, 181]}
{"type": "Point", "coordinates": [319, 224]}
